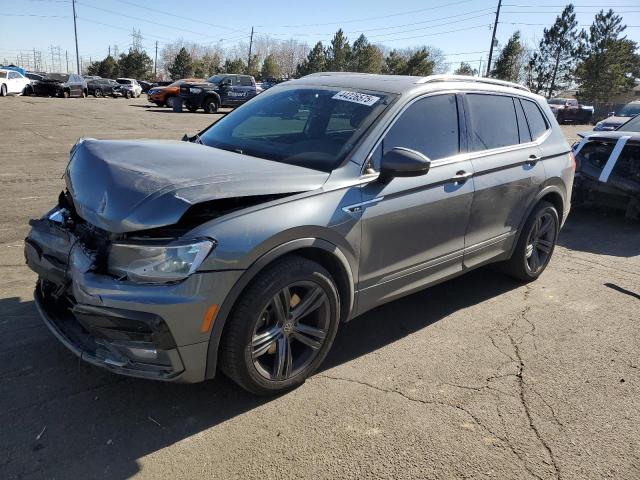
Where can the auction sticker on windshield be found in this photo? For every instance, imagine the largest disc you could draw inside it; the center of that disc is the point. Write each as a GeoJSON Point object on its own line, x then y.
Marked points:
{"type": "Point", "coordinates": [355, 97]}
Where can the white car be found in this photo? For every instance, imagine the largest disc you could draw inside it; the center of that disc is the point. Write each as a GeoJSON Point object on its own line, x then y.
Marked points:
{"type": "Point", "coordinates": [130, 86]}
{"type": "Point", "coordinates": [12, 82]}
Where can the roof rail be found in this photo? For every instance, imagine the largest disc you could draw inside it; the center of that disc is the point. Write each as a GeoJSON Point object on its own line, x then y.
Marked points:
{"type": "Point", "coordinates": [464, 78]}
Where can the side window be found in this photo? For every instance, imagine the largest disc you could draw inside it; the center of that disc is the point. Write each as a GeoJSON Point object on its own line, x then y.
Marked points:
{"type": "Point", "coordinates": [429, 125]}
{"type": "Point", "coordinates": [523, 128]}
{"type": "Point", "coordinates": [234, 80]}
{"type": "Point", "coordinates": [537, 123]}
{"type": "Point", "coordinates": [13, 75]}
{"type": "Point", "coordinates": [492, 121]}
{"type": "Point", "coordinates": [245, 81]}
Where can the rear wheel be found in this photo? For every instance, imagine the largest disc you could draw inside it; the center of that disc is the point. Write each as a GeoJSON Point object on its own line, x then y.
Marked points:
{"type": "Point", "coordinates": [282, 327]}
{"type": "Point", "coordinates": [210, 105]}
{"type": "Point", "coordinates": [97, 93]}
{"type": "Point", "coordinates": [535, 244]}
{"type": "Point", "coordinates": [170, 101]}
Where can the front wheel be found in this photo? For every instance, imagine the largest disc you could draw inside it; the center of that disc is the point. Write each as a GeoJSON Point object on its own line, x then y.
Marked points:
{"type": "Point", "coordinates": [210, 105]}
{"type": "Point", "coordinates": [170, 101]}
{"type": "Point", "coordinates": [97, 93]}
{"type": "Point", "coordinates": [282, 327]}
{"type": "Point", "coordinates": [535, 244]}
{"type": "Point", "coordinates": [3, 90]}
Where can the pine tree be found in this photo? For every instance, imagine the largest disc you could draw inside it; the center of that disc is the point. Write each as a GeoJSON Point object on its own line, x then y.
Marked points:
{"type": "Point", "coordinates": [236, 65]}
{"type": "Point", "coordinates": [207, 65]}
{"type": "Point", "coordinates": [419, 64]}
{"type": "Point", "coordinates": [135, 64]}
{"type": "Point", "coordinates": [609, 64]}
{"type": "Point", "coordinates": [270, 67]}
{"type": "Point", "coordinates": [182, 66]}
{"type": "Point", "coordinates": [394, 63]}
{"type": "Point", "coordinates": [509, 64]}
{"type": "Point", "coordinates": [338, 53]}
{"type": "Point", "coordinates": [465, 69]}
{"type": "Point", "coordinates": [365, 57]}
{"type": "Point", "coordinates": [316, 61]}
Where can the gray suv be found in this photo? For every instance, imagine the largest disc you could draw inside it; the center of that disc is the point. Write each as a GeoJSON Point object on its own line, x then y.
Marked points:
{"type": "Point", "coordinates": [245, 246]}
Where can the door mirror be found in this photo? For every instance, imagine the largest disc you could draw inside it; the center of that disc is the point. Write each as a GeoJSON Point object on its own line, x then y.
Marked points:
{"type": "Point", "coordinates": [403, 162]}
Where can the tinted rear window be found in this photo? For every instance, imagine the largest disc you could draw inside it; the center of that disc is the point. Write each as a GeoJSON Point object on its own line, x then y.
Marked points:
{"type": "Point", "coordinates": [537, 123]}
{"type": "Point", "coordinates": [246, 82]}
{"type": "Point", "coordinates": [429, 126]}
{"type": "Point", "coordinates": [492, 121]}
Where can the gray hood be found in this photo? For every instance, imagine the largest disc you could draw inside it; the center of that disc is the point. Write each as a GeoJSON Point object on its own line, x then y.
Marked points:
{"type": "Point", "coordinates": [123, 186]}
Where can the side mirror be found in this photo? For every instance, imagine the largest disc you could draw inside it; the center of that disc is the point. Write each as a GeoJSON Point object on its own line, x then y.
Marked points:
{"type": "Point", "coordinates": [403, 162]}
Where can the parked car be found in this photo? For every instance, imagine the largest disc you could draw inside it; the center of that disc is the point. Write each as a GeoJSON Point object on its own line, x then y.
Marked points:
{"type": "Point", "coordinates": [615, 120]}
{"type": "Point", "coordinates": [34, 79]}
{"type": "Point", "coordinates": [61, 85]}
{"type": "Point", "coordinates": [130, 87]}
{"type": "Point", "coordinates": [574, 112]}
{"type": "Point", "coordinates": [315, 202]}
{"type": "Point", "coordinates": [146, 86]}
{"type": "Point", "coordinates": [556, 104]}
{"type": "Point", "coordinates": [165, 96]}
{"type": "Point", "coordinates": [103, 86]}
{"type": "Point", "coordinates": [223, 90]}
{"type": "Point", "coordinates": [608, 168]}
{"type": "Point", "coordinates": [13, 83]}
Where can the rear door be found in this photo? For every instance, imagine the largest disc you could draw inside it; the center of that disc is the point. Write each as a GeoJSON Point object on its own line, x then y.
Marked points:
{"type": "Point", "coordinates": [508, 172]}
{"type": "Point", "coordinates": [247, 87]}
{"type": "Point", "coordinates": [413, 228]}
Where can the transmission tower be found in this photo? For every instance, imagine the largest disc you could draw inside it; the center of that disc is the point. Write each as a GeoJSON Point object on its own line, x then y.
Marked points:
{"type": "Point", "coordinates": [136, 40]}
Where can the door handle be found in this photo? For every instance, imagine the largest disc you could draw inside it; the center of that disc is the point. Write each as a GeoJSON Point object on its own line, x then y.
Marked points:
{"type": "Point", "coordinates": [461, 177]}
{"type": "Point", "coordinates": [532, 160]}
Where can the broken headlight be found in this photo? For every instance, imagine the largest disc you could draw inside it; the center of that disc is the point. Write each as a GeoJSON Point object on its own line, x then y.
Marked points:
{"type": "Point", "coordinates": [153, 262]}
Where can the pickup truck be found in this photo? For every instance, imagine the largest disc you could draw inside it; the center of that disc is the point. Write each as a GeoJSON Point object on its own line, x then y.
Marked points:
{"type": "Point", "coordinates": [575, 112]}
{"type": "Point", "coordinates": [223, 90]}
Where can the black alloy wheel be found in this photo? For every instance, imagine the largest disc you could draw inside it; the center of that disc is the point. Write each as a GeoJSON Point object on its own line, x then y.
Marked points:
{"type": "Point", "coordinates": [282, 327]}
{"type": "Point", "coordinates": [97, 93]}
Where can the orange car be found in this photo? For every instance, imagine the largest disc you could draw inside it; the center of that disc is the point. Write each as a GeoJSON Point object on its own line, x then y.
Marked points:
{"type": "Point", "coordinates": [164, 96]}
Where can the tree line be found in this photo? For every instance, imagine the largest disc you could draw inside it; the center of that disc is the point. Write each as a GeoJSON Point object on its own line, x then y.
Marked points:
{"type": "Point", "coordinates": [600, 61]}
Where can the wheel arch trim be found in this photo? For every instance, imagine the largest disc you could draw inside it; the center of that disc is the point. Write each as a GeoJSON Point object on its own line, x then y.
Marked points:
{"type": "Point", "coordinates": [255, 268]}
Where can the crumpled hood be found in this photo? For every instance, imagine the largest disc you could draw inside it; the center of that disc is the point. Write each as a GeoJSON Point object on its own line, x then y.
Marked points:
{"type": "Point", "coordinates": [122, 186]}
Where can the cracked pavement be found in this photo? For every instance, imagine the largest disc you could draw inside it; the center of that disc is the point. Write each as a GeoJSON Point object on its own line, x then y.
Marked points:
{"type": "Point", "coordinates": [479, 377]}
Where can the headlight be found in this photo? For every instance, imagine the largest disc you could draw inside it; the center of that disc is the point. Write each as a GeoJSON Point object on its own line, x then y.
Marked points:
{"type": "Point", "coordinates": [153, 262]}
{"type": "Point", "coordinates": [195, 90]}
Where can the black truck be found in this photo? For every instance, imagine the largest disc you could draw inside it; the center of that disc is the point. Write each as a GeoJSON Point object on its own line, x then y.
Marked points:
{"type": "Point", "coordinates": [222, 90]}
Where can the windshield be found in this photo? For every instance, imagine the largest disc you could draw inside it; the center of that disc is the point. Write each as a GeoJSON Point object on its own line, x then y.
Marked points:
{"type": "Point", "coordinates": [632, 125]}
{"type": "Point", "coordinates": [629, 110]}
{"type": "Point", "coordinates": [123, 81]}
{"type": "Point", "coordinates": [312, 127]}
{"type": "Point", "coordinates": [216, 79]}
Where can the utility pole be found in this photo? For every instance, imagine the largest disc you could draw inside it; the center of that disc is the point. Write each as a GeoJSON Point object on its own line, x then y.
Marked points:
{"type": "Point", "coordinates": [66, 54]}
{"type": "Point", "coordinates": [109, 51]}
{"type": "Point", "coordinates": [75, 31]}
{"type": "Point", "coordinates": [155, 63]}
{"type": "Point", "coordinates": [493, 37]}
{"type": "Point", "coordinates": [250, 45]}
{"type": "Point", "coordinates": [480, 68]}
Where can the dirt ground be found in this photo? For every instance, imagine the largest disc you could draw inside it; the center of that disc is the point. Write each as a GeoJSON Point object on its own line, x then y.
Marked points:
{"type": "Point", "coordinates": [480, 377]}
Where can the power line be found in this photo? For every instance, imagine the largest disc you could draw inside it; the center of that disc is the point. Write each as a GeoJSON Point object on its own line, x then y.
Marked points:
{"type": "Point", "coordinates": [370, 18]}
{"type": "Point", "coordinates": [32, 15]}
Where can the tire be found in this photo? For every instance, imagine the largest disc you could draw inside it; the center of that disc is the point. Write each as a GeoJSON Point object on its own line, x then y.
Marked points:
{"type": "Point", "coordinates": [28, 91]}
{"type": "Point", "coordinates": [66, 94]}
{"type": "Point", "coordinates": [266, 349]}
{"type": "Point", "coordinates": [210, 105]}
{"type": "Point", "coordinates": [169, 102]}
{"type": "Point", "coordinates": [3, 90]}
{"type": "Point", "coordinates": [535, 245]}
{"type": "Point", "coordinates": [97, 93]}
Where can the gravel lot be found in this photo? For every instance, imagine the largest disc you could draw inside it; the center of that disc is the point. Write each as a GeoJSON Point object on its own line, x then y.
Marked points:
{"type": "Point", "coordinates": [479, 377]}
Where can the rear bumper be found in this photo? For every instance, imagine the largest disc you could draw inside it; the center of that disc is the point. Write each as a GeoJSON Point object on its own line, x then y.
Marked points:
{"type": "Point", "coordinates": [145, 331]}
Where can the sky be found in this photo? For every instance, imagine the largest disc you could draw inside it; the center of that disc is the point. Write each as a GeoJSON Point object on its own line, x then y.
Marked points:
{"type": "Point", "coordinates": [460, 28]}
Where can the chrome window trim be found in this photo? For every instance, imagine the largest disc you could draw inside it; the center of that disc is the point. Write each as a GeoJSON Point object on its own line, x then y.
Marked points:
{"type": "Point", "coordinates": [460, 157]}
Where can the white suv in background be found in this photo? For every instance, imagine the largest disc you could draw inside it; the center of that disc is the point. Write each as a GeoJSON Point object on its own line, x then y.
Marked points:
{"type": "Point", "coordinates": [12, 82]}
{"type": "Point", "coordinates": [130, 87]}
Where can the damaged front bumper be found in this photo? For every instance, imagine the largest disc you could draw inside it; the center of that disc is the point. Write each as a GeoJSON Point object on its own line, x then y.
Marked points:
{"type": "Point", "coordinates": [146, 331]}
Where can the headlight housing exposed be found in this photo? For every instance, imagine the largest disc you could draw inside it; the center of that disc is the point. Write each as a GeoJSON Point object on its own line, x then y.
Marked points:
{"type": "Point", "coordinates": [155, 262]}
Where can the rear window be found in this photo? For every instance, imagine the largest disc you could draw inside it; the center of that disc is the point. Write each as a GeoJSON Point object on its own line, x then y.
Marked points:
{"type": "Point", "coordinates": [537, 124]}
{"type": "Point", "coordinates": [123, 81]}
{"type": "Point", "coordinates": [246, 82]}
{"type": "Point", "coordinates": [493, 122]}
{"type": "Point", "coordinates": [3, 74]}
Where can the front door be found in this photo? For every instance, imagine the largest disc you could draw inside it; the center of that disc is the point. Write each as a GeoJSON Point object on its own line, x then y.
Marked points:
{"type": "Point", "coordinates": [413, 229]}
{"type": "Point", "coordinates": [508, 173]}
